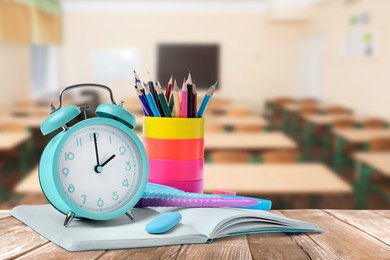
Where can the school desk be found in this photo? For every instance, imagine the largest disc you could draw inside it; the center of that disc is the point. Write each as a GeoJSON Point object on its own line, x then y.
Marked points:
{"type": "Point", "coordinates": [229, 122]}
{"type": "Point", "coordinates": [357, 136]}
{"type": "Point", "coordinates": [367, 163]}
{"type": "Point", "coordinates": [254, 142]}
{"type": "Point", "coordinates": [311, 122]}
{"type": "Point", "coordinates": [27, 121]}
{"type": "Point", "coordinates": [10, 141]}
{"type": "Point", "coordinates": [348, 234]}
{"type": "Point", "coordinates": [277, 179]}
{"type": "Point", "coordinates": [290, 114]}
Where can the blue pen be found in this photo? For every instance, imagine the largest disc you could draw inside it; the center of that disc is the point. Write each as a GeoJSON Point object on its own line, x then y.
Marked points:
{"type": "Point", "coordinates": [160, 191]}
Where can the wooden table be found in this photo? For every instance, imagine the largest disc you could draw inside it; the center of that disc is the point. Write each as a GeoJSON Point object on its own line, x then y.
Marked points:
{"type": "Point", "coordinates": [248, 141]}
{"type": "Point", "coordinates": [367, 164]}
{"type": "Point", "coordinates": [260, 179]}
{"type": "Point", "coordinates": [349, 234]}
{"type": "Point", "coordinates": [231, 122]}
{"type": "Point", "coordinates": [323, 120]}
{"type": "Point", "coordinates": [26, 121]}
{"type": "Point", "coordinates": [358, 136]}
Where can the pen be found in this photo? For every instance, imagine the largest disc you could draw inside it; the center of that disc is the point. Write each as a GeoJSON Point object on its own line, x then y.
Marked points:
{"type": "Point", "coordinates": [196, 202]}
{"type": "Point", "coordinates": [158, 191]}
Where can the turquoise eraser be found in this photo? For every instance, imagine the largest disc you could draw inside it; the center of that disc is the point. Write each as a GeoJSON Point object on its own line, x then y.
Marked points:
{"type": "Point", "coordinates": [163, 223]}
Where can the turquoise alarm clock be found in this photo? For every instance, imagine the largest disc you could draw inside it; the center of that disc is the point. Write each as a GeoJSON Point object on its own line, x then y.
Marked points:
{"type": "Point", "coordinates": [97, 168]}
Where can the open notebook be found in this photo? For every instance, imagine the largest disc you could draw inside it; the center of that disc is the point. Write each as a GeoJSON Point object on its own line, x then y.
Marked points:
{"type": "Point", "coordinates": [198, 225]}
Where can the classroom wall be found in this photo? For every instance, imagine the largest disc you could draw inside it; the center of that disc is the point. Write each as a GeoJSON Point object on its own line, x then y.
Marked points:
{"type": "Point", "coordinates": [258, 57]}
{"type": "Point", "coordinates": [361, 84]}
{"type": "Point", "coordinates": [14, 73]}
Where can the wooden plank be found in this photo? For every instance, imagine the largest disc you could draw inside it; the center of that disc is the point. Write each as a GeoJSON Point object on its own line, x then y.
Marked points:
{"type": "Point", "coordinates": [165, 252]}
{"type": "Point", "coordinates": [50, 250]}
{"type": "Point", "coordinates": [341, 240]}
{"type": "Point", "coordinates": [16, 243]}
{"type": "Point", "coordinates": [225, 248]}
{"type": "Point", "coordinates": [262, 246]}
{"type": "Point", "coordinates": [10, 224]}
{"type": "Point", "coordinates": [367, 221]}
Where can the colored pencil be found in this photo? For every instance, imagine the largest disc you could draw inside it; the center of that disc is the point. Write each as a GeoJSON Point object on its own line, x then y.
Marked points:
{"type": "Point", "coordinates": [171, 103]}
{"type": "Point", "coordinates": [169, 89]}
{"type": "Point", "coordinates": [176, 98]}
{"type": "Point", "coordinates": [205, 101]}
{"type": "Point", "coordinates": [214, 86]}
{"type": "Point", "coordinates": [145, 105]}
{"type": "Point", "coordinates": [194, 98]}
{"type": "Point", "coordinates": [163, 101]}
{"type": "Point", "coordinates": [184, 99]}
{"type": "Point", "coordinates": [136, 77]}
{"type": "Point", "coordinates": [152, 103]}
{"type": "Point", "coordinates": [190, 99]}
{"type": "Point", "coordinates": [154, 94]}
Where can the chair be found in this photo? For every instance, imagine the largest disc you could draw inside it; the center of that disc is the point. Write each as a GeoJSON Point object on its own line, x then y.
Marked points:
{"type": "Point", "coordinates": [308, 101]}
{"type": "Point", "coordinates": [230, 157]}
{"type": "Point", "coordinates": [305, 111]}
{"type": "Point", "coordinates": [284, 157]}
{"type": "Point", "coordinates": [379, 144]}
{"type": "Point", "coordinates": [278, 105]}
{"type": "Point", "coordinates": [373, 123]}
{"type": "Point", "coordinates": [336, 110]}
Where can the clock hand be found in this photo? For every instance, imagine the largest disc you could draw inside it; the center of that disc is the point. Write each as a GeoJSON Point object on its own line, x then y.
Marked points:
{"type": "Point", "coordinates": [96, 149]}
{"type": "Point", "coordinates": [108, 160]}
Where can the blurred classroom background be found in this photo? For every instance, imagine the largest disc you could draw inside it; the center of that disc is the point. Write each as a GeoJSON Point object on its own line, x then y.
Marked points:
{"type": "Point", "coordinates": [300, 116]}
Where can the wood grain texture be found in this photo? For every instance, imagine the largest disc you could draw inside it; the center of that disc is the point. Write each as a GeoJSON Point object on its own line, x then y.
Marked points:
{"type": "Point", "coordinates": [348, 234]}
{"type": "Point", "coordinates": [262, 246]}
{"type": "Point", "coordinates": [167, 252]}
{"type": "Point", "coordinates": [18, 242]}
{"type": "Point", "coordinates": [367, 221]}
{"type": "Point", "coordinates": [227, 248]}
{"type": "Point", "coordinates": [50, 251]}
{"type": "Point", "coordinates": [10, 224]}
{"type": "Point", "coordinates": [341, 240]}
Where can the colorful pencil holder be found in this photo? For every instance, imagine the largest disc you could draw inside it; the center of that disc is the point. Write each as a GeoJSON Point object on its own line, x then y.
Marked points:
{"type": "Point", "coordinates": [175, 148]}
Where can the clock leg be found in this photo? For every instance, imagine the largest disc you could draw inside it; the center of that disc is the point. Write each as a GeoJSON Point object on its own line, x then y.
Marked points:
{"type": "Point", "coordinates": [68, 218]}
{"type": "Point", "coordinates": [130, 215]}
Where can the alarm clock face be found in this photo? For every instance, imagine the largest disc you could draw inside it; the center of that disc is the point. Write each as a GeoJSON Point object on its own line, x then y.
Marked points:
{"type": "Point", "coordinates": [99, 168]}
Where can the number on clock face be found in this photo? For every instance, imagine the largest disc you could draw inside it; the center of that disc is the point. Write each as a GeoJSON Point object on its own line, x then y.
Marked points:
{"type": "Point", "coordinates": [99, 168]}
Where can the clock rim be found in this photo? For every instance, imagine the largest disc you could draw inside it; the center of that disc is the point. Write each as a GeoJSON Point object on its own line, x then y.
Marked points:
{"type": "Point", "coordinates": [81, 213]}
